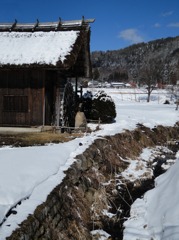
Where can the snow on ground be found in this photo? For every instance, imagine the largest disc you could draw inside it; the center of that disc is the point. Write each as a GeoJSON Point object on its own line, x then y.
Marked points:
{"type": "Point", "coordinates": [102, 235]}
{"type": "Point", "coordinates": [155, 216]}
{"type": "Point", "coordinates": [29, 174]}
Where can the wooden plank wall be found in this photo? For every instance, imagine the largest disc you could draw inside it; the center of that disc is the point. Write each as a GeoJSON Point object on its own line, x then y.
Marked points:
{"type": "Point", "coordinates": [28, 83]}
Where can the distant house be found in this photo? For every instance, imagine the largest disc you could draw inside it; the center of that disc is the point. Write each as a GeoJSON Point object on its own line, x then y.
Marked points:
{"type": "Point", "coordinates": [118, 84]}
{"type": "Point", "coordinates": [128, 85]}
{"type": "Point", "coordinates": [93, 83]}
{"type": "Point", "coordinates": [35, 62]}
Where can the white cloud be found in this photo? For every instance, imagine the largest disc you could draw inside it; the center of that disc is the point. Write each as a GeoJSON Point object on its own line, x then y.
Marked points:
{"type": "Point", "coordinates": [132, 35]}
{"type": "Point", "coordinates": [166, 14]}
{"type": "Point", "coordinates": [157, 25]}
{"type": "Point", "coordinates": [176, 25]}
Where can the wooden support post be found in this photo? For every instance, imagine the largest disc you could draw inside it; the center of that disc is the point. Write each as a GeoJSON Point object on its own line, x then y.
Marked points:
{"type": "Point", "coordinates": [43, 104]}
{"type": "Point", "coordinates": [57, 107]}
{"type": "Point", "coordinates": [76, 87]}
{"type": "Point", "coordinates": [81, 91]}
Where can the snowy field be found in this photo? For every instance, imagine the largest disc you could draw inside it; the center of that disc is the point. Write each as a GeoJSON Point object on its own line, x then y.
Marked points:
{"type": "Point", "coordinates": [30, 173]}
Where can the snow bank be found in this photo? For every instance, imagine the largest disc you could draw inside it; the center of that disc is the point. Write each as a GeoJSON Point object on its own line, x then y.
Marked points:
{"type": "Point", "coordinates": [156, 215]}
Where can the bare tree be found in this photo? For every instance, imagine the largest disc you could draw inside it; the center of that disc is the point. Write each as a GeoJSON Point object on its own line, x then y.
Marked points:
{"type": "Point", "coordinates": [173, 90]}
{"type": "Point", "coordinates": [150, 75]}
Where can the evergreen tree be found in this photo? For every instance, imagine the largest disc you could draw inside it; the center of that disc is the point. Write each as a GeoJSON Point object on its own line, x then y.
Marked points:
{"type": "Point", "coordinates": [103, 107]}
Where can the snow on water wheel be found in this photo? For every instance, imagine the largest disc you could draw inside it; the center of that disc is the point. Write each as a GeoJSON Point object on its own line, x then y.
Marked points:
{"type": "Point", "coordinates": [68, 106]}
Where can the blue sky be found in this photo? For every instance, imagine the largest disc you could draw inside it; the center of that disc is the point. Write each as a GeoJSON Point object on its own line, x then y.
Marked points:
{"type": "Point", "coordinates": [118, 23]}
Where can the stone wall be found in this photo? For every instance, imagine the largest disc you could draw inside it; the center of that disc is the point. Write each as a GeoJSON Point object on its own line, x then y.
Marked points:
{"type": "Point", "coordinates": [75, 207]}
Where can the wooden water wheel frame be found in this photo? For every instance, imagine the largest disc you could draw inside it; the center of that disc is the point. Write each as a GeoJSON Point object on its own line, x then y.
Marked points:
{"type": "Point", "coordinates": [68, 106]}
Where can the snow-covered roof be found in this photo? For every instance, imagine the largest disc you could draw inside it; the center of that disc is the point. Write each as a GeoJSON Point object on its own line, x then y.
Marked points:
{"type": "Point", "coordinates": [19, 48]}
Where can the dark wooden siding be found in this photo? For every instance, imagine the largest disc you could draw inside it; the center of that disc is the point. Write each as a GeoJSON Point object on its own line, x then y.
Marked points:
{"type": "Point", "coordinates": [25, 87]}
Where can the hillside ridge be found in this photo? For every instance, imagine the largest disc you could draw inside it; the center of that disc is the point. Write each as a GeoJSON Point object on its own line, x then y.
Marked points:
{"type": "Point", "coordinates": [127, 64]}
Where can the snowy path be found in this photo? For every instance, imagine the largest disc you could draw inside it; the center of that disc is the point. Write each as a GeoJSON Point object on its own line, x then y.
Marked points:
{"type": "Point", "coordinates": [31, 172]}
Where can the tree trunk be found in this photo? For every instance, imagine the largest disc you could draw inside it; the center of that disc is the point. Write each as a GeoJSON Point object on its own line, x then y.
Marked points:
{"type": "Point", "coordinates": [148, 96]}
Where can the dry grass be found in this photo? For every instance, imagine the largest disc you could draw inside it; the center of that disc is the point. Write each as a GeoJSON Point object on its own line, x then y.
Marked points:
{"type": "Point", "coordinates": [39, 138]}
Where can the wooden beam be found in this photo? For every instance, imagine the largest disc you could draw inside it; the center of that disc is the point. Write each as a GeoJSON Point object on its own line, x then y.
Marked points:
{"type": "Point", "coordinates": [59, 24]}
{"type": "Point", "coordinates": [36, 25]}
{"type": "Point", "coordinates": [13, 25]}
{"type": "Point", "coordinates": [43, 102]}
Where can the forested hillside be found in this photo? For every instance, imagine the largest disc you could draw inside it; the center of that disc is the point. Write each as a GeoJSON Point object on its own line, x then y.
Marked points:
{"type": "Point", "coordinates": [159, 59]}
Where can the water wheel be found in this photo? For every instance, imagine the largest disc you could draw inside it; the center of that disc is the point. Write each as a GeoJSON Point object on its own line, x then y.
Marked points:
{"type": "Point", "coordinates": [68, 106]}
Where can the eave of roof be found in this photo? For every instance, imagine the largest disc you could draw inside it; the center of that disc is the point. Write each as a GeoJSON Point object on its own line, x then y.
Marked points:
{"type": "Point", "coordinates": [47, 26]}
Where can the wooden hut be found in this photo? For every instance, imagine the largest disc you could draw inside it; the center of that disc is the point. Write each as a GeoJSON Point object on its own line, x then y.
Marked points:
{"type": "Point", "coordinates": [35, 62]}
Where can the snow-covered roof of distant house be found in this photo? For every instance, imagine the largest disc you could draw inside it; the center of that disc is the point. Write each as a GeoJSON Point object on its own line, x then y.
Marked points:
{"type": "Point", "coordinates": [39, 43]}
{"type": "Point", "coordinates": [117, 83]}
